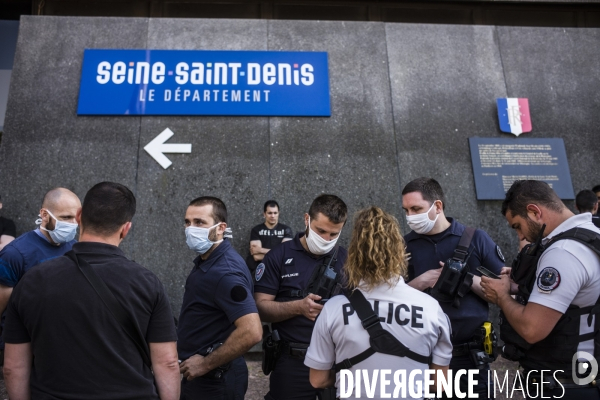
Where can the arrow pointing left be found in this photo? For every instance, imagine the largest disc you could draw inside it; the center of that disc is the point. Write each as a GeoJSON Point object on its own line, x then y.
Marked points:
{"type": "Point", "coordinates": [157, 147]}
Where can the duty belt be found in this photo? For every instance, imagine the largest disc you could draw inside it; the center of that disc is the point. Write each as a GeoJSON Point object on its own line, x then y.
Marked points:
{"type": "Point", "coordinates": [296, 350]}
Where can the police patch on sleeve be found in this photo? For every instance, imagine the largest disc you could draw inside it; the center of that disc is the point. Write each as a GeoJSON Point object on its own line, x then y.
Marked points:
{"type": "Point", "coordinates": [260, 270]}
{"type": "Point", "coordinates": [500, 253]}
{"type": "Point", "coordinates": [548, 280]}
{"type": "Point", "coordinates": [238, 294]}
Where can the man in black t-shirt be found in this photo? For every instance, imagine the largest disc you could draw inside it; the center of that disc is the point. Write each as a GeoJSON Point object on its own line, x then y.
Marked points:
{"type": "Point", "coordinates": [64, 342]}
{"type": "Point", "coordinates": [8, 231]}
{"type": "Point", "coordinates": [267, 235]}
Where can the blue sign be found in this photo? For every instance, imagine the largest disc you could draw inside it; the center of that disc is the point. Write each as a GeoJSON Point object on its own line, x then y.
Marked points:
{"type": "Point", "coordinates": [193, 82]}
{"type": "Point", "coordinates": [497, 163]}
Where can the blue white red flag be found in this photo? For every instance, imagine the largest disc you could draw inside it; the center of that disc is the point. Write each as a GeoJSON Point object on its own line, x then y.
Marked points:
{"type": "Point", "coordinates": [513, 115]}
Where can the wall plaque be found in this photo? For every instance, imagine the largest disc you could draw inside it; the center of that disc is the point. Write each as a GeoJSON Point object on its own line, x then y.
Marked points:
{"type": "Point", "coordinates": [498, 162]}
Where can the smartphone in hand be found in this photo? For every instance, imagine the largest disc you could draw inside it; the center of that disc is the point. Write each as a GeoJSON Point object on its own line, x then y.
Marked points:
{"type": "Point", "coordinates": [486, 272]}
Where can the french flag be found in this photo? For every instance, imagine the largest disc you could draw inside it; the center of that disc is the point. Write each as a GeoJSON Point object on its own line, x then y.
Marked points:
{"type": "Point", "coordinates": [513, 115]}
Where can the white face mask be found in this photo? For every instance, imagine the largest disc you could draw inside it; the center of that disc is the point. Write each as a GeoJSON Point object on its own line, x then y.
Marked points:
{"type": "Point", "coordinates": [421, 223]}
{"type": "Point", "coordinates": [197, 238]}
{"type": "Point", "coordinates": [63, 231]}
{"type": "Point", "coordinates": [316, 244]}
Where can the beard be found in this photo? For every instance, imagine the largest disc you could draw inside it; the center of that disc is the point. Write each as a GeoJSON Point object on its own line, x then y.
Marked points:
{"type": "Point", "coordinates": [212, 235]}
{"type": "Point", "coordinates": [534, 230]}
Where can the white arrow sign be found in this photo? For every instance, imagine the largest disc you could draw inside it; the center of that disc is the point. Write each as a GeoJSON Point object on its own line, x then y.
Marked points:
{"type": "Point", "coordinates": [157, 147]}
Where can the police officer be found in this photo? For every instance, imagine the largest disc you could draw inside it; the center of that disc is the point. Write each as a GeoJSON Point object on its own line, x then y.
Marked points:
{"type": "Point", "coordinates": [376, 265]}
{"type": "Point", "coordinates": [596, 190]}
{"type": "Point", "coordinates": [433, 240]}
{"type": "Point", "coordinates": [267, 235]}
{"type": "Point", "coordinates": [219, 322]}
{"type": "Point", "coordinates": [558, 322]}
{"type": "Point", "coordinates": [586, 201]}
{"type": "Point", "coordinates": [281, 282]}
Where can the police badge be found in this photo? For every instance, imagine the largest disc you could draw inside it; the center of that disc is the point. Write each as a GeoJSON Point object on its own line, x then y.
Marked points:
{"type": "Point", "coordinates": [548, 280]}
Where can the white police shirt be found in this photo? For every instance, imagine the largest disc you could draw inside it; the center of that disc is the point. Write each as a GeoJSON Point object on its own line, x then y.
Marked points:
{"type": "Point", "coordinates": [414, 318]}
{"type": "Point", "coordinates": [568, 272]}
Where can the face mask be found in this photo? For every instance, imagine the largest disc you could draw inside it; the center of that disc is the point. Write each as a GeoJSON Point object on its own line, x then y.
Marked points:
{"type": "Point", "coordinates": [316, 244]}
{"type": "Point", "coordinates": [63, 231]}
{"type": "Point", "coordinates": [421, 223]}
{"type": "Point", "coordinates": [197, 239]}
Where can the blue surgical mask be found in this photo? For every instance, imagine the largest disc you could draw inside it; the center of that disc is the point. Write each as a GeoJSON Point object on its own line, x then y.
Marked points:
{"type": "Point", "coordinates": [63, 231]}
{"type": "Point", "coordinates": [197, 238]}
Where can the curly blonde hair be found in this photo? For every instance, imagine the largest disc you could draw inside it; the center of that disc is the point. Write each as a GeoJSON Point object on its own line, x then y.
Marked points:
{"type": "Point", "coordinates": [377, 251]}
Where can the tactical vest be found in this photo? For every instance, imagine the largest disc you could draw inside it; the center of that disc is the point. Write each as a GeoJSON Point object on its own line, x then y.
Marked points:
{"type": "Point", "coordinates": [455, 280]}
{"type": "Point", "coordinates": [324, 281]}
{"type": "Point", "coordinates": [555, 352]}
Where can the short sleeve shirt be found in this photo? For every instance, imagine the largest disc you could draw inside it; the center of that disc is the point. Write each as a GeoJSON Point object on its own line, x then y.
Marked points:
{"type": "Point", "coordinates": [25, 252]}
{"type": "Point", "coordinates": [270, 238]}
{"type": "Point", "coordinates": [289, 267]}
{"type": "Point", "coordinates": [426, 253]}
{"type": "Point", "coordinates": [413, 317]}
{"type": "Point", "coordinates": [218, 291]}
{"type": "Point", "coordinates": [568, 272]}
{"type": "Point", "coordinates": [7, 227]}
{"type": "Point", "coordinates": [79, 349]}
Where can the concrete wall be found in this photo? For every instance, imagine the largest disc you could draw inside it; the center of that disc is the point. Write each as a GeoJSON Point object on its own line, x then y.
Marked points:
{"type": "Point", "coordinates": [404, 100]}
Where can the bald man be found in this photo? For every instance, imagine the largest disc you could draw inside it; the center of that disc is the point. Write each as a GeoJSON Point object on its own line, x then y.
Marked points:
{"type": "Point", "coordinates": [54, 237]}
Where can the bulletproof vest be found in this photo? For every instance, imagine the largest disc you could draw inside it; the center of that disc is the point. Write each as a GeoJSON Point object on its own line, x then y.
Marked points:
{"type": "Point", "coordinates": [555, 352]}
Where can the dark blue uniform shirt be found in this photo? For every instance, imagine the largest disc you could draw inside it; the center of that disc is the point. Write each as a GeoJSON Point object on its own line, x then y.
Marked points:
{"type": "Point", "coordinates": [289, 267]}
{"type": "Point", "coordinates": [427, 251]}
{"type": "Point", "coordinates": [218, 291]}
{"type": "Point", "coordinates": [26, 251]}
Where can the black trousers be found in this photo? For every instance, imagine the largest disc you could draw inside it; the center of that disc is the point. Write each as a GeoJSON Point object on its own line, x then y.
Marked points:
{"type": "Point", "coordinates": [232, 386]}
{"type": "Point", "coordinates": [289, 381]}
{"type": "Point", "coordinates": [481, 387]}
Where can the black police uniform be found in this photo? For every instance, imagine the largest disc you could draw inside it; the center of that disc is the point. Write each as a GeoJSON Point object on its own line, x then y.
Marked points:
{"type": "Point", "coordinates": [426, 252]}
{"type": "Point", "coordinates": [218, 291]}
{"type": "Point", "coordinates": [287, 268]}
